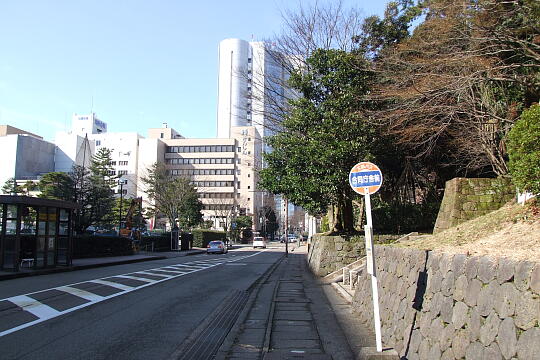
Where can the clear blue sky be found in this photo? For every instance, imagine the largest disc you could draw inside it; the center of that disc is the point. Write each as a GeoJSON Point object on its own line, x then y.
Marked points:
{"type": "Point", "coordinates": [143, 62]}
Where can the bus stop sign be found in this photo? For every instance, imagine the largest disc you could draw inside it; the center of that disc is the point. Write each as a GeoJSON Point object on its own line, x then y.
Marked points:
{"type": "Point", "coordinates": [365, 178]}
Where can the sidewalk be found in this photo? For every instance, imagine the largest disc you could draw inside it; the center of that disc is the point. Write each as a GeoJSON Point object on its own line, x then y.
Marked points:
{"type": "Point", "coordinates": [89, 263]}
{"type": "Point", "coordinates": [289, 318]}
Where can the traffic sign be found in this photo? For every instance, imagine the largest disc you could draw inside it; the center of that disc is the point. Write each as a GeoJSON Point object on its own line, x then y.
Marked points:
{"type": "Point", "coordinates": [365, 178]}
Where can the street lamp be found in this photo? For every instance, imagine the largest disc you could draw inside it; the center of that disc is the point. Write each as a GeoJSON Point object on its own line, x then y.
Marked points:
{"type": "Point", "coordinates": [121, 184]}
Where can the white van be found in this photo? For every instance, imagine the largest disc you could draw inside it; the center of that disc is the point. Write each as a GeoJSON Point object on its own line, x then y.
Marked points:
{"type": "Point", "coordinates": [258, 241]}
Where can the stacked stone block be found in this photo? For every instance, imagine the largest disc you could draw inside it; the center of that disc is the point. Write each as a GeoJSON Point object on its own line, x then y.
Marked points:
{"type": "Point", "coordinates": [330, 253]}
{"type": "Point", "coordinates": [465, 199]}
{"type": "Point", "coordinates": [451, 306]}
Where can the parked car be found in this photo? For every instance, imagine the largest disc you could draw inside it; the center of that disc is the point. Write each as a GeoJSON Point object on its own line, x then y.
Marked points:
{"type": "Point", "coordinates": [258, 241]}
{"type": "Point", "coordinates": [216, 247]}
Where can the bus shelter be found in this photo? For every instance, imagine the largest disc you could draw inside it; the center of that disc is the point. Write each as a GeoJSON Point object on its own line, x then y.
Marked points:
{"type": "Point", "coordinates": [35, 233]}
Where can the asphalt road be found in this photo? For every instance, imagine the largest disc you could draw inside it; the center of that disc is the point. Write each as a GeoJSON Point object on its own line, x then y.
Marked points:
{"type": "Point", "coordinates": [136, 311]}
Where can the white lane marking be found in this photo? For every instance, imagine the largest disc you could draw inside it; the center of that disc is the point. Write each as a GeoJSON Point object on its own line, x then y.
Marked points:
{"type": "Point", "coordinates": [163, 276]}
{"type": "Point", "coordinates": [158, 271]}
{"type": "Point", "coordinates": [81, 293]}
{"type": "Point", "coordinates": [34, 307]}
{"type": "Point", "coordinates": [174, 269]}
{"type": "Point", "coordinates": [113, 284]}
{"type": "Point", "coordinates": [135, 278]}
{"type": "Point", "coordinates": [240, 264]}
{"type": "Point", "coordinates": [126, 289]}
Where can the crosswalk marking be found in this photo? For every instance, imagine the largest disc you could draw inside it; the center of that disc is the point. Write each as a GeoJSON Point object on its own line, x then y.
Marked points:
{"type": "Point", "coordinates": [112, 284]}
{"type": "Point", "coordinates": [136, 278]}
{"type": "Point", "coordinates": [154, 274]}
{"type": "Point", "coordinates": [45, 312]}
{"type": "Point", "coordinates": [81, 293]}
{"type": "Point", "coordinates": [34, 307]}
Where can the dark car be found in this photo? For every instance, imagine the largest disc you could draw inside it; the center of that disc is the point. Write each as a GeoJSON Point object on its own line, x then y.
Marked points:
{"type": "Point", "coordinates": [216, 247]}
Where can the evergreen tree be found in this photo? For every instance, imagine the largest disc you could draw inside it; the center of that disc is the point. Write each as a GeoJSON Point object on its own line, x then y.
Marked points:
{"type": "Point", "coordinates": [324, 135]}
{"type": "Point", "coordinates": [57, 185]}
{"type": "Point", "coordinates": [10, 187]}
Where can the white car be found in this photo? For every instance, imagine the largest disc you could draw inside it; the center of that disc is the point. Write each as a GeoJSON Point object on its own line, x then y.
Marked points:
{"type": "Point", "coordinates": [258, 241]}
{"type": "Point", "coordinates": [292, 239]}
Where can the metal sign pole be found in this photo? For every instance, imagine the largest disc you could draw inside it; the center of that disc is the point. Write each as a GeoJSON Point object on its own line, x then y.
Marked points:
{"type": "Point", "coordinates": [372, 269]}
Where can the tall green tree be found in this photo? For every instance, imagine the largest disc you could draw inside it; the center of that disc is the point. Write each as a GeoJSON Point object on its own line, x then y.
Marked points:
{"type": "Point", "coordinates": [324, 135]}
{"type": "Point", "coordinates": [524, 150]}
{"type": "Point", "coordinates": [10, 187]}
{"type": "Point", "coordinates": [173, 196]}
{"type": "Point", "coordinates": [57, 185]}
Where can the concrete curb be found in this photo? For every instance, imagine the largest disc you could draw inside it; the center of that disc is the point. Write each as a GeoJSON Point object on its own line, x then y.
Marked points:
{"type": "Point", "coordinates": [75, 268]}
{"type": "Point", "coordinates": [18, 275]}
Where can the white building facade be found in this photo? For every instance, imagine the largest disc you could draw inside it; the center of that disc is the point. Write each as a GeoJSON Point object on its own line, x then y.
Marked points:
{"type": "Point", "coordinates": [250, 82]}
{"type": "Point", "coordinates": [222, 170]}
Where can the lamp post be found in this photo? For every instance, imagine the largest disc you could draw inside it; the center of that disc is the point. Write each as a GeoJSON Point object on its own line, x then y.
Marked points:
{"type": "Point", "coordinates": [121, 184]}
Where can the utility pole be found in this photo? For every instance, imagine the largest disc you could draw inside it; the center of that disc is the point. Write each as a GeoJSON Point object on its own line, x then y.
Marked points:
{"type": "Point", "coordinates": [286, 227]}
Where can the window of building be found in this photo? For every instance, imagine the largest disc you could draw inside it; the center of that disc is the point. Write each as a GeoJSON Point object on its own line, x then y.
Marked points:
{"type": "Point", "coordinates": [238, 185]}
{"type": "Point", "coordinates": [122, 172]}
{"type": "Point", "coordinates": [113, 163]}
{"type": "Point", "coordinates": [98, 142]}
{"type": "Point", "coordinates": [249, 187]}
{"type": "Point", "coordinates": [249, 175]}
{"type": "Point", "coordinates": [123, 163]}
{"type": "Point", "coordinates": [161, 135]}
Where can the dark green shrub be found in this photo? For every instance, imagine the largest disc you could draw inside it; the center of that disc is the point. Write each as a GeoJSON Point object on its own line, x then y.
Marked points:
{"type": "Point", "coordinates": [157, 243]}
{"type": "Point", "coordinates": [85, 246]}
{"type": "Point", "coordinates": [524, 151]}
{"type": "Point", "coordinates": [202, 237]}
{"type": "Point", "coordinates": [398, 218]}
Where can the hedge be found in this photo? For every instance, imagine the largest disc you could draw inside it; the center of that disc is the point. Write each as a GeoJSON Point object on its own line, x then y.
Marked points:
{"type": "Point", "coordinates": [201, 237]}
{"type": "Point", "coordinates": [86, 246]}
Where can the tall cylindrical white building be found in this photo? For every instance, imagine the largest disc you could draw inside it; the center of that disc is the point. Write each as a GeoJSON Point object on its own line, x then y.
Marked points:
{"type": "Point", "coordinates": [233, 85]}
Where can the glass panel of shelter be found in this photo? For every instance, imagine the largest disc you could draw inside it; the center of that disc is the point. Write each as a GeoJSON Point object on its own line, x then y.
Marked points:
{"type": "Point", "coordinates": [28, 236]}
{"type": "Point", "coordinates": [46, 243]}
{"type": "Point", "coordinates": [10, 237]}
{"type": "Point", "coordinates": [63, 239]}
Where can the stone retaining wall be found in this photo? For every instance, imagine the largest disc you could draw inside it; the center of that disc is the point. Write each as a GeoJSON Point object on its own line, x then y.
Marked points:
{"type": "Point", "coordinates": [330, 253]}
{"type": "Point", "coordinates": [451, 306]}
{"type": "Point", "coordinates": [465, 199]}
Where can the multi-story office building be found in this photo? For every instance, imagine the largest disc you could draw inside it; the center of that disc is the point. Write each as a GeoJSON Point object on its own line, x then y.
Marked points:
{"type": "Point", "coordinates": [88, 134]}
{"type": "Point", "coordinates": [74, 147]}
{"type": "Point", "coordinates": [250, 86]}
{"type": "Point", "coordinates": [124, 148]}
{"type": "Point", "coordinates": [251, 90]}
{"type": "Point", "coordinates": [221, 169]}
{"type": "Point", "coordinates": [25, 156]}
